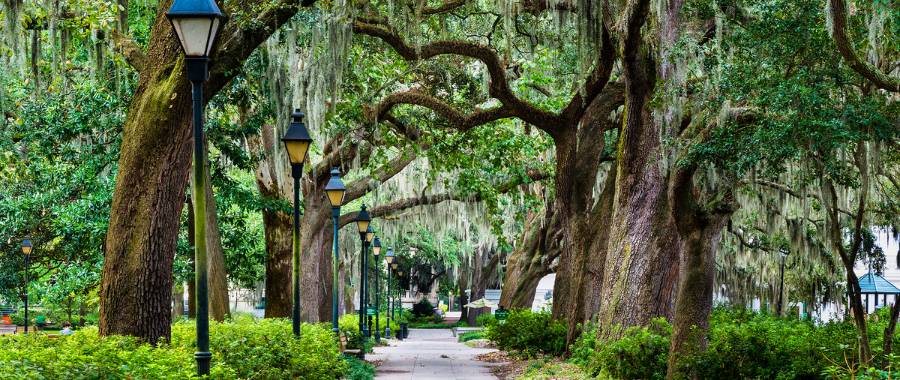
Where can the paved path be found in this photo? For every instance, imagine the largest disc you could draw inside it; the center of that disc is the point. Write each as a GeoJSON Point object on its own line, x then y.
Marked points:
{"type": "Point", "coordinates": [430, 354]}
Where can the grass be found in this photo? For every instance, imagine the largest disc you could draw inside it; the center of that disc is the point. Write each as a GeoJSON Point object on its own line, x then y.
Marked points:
{"type": "Point", "coordinates": [471, 335]}
{"type": "Point", "coordinates": [542, 369]}
{"type": "Point", "coordinates": [432, 325]}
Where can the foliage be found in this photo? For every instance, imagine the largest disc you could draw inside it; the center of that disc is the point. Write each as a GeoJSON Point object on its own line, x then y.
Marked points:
{"type": "Point", "coordinates": [348, 324]}
{"type": "Point", "coordinates": [242, 349]}
{"type": "Point", "coordinates": [471, 335]}
{"type": "Point", "coordinates": [358, 369]}
{"type": "Point", "coordinates": [641, 353]}
{"type": "Point", "coordinates": [423, 309]}
{"type": "Point", "coordinates": [543, 369]}
{"type": "Point", "coordinates": [742, 345]}
{"type": "Point", "coordinates": [485, 319]}
{"type": "Point", "coordinates": [528, 333]}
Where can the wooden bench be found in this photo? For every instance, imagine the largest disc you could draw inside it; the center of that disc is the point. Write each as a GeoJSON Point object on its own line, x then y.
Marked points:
{"type": "Point", "coordinates": [458, 330]}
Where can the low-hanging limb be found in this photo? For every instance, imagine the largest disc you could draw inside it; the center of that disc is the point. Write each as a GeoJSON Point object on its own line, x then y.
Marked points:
{"type": "Point", "coordinates": [840, 32]}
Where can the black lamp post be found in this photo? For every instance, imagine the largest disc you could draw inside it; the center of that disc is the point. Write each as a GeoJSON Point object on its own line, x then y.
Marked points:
{"type": "Point", "coordinates": [393, 265]}
{"type": "Point", "coordinates": [362, 223]}
{"type": "Point", "coordinates": [197, 23]}
{"type": "Point", "coordinates": [399, 334]}
{"type": "Point", "coordinates": [335, 190]}
{"type": "Point", "coordinates": [780, 305]}
{"type": "Point", "coordinates": [26, 249]}
{"type": "Point", "coordinates": [296, 141]}
{"type": "Point", "coordinates": [389, 258]}
{"type": "Point", "coordinates": [390, 306]}
{"type": "Point", "coordinates": [370, 235]}
{"type": "Point", "coordinates": [376, 252]}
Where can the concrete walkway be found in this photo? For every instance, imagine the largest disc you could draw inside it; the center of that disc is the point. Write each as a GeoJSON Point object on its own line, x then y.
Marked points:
{"type": "Point", "coordinates": [430, 354]}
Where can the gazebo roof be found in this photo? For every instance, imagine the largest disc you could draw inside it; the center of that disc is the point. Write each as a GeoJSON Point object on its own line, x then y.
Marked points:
{"type": "Point", "coordinates": [871, 283]}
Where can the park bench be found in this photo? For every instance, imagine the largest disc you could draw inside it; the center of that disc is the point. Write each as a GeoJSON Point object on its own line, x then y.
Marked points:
{"type": "Point", "coordinates": [7, 329]}
{"type": "Point", "coordinates": [460, 330]}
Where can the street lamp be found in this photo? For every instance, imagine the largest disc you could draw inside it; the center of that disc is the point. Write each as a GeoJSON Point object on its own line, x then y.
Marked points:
{"type": "Point", "coordinates": [197, 24]}
{"type": "Point", "coordinates": [389, 258]}
{"type": "Point", "coordinates": [26, 249]}
{"type": "Point", "coordinates": [376, 251]}
{"type": "Point", "coordinates": [362, 224]}
{"type": "Point", "coordinates": [335, 191]}
{"type": "Point", "coordinates": [783, 253]}
{"type": "Point", "coordinates": [296, 142]}
{"type": "Point", "coordinates": [390, 307]}
{"type": "Point", "coordinates": [402, 333]}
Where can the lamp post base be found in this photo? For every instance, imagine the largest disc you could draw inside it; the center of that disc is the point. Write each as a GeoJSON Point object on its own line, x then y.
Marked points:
{"type": "Point", "coordinates": [387, 333]}
{"type": "Point", "coordinates": [203, 359]}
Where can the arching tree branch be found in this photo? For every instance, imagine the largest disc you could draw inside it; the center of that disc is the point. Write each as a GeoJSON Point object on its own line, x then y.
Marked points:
{"type": "Point", "coordinates": [459, 120]}
{"type": "Point", "coordinates": [499, 86]}
{"type": "Point", "coordinates": [391, 208]}
{"type": "Point", "coordinates": [840, 33]}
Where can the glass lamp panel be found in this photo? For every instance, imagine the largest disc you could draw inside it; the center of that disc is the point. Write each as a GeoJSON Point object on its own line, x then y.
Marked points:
{"type": "Point", "coordinates": [389, 259]}
{"type": "Point", "coordinates": [394, 266]}
{"type": "Point", "coordinates": [26, 248]}
{"type": "Point", "coordinates": [376, 250]}
{"type": "Point", "coordinates": [194, 33]}
{"type": "Point", "coordinates": [363, 226]}
{"type": "Point", "coordinates": [297, 151]}
{"type": "Point", "coordinates": [213, 31]}
{"type": "Point", "coordinates": [369, 236]}
{"type": "Point", "coordinates": [336, 197]}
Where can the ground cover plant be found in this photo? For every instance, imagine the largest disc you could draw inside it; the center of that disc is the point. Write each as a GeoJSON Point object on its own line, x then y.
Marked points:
{"type": "Point", "coordinates": [242, 349]}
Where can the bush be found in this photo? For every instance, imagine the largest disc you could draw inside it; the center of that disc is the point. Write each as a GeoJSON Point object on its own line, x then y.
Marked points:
{"type": "Point", "coordinates": [359, 370]}
{"type": "Point", "coordinates": [641, 353]}
{"type": "Point", "coordinates": [242, 349]}
{"type": "Point", "coordinates": [422, 310]}
{"type": "Point", "coordinates": [528, 333]}
{"type": "Point", "coordinates": [349, 325]}
{"type": "Point", "coordinates": [742, 345]}
{"type": "Point", "coordinates": [485, 319]}
{"type": "Point", "coordinates": [746, 345]}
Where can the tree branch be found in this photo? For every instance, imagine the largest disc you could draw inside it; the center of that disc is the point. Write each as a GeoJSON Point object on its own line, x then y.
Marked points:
{"type": "Point", "coordinates": [391, 208]}
{"type": "Point", "coordinates": [130, 50]}
{"type": "Point", "coordinates": [840, 34]}
{"type": "Point", "coordinates": [459, 120]}
{"type": "Point", "coordinates": [499, 86]}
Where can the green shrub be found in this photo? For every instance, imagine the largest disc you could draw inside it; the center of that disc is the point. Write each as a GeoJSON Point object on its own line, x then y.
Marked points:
{"type": "Point", "coordinates": [242, 349]}
{"type": "Point", "coordinates": [359, 370]}
{"type": "Point", "coordinates": [746, 345]}
{"type": "Point", "coordinates": [742, 345]}
{"type": "Point", "coordinates": [423, 311]}
{"type": "Point", "coordinates": [349, 325]}
{"type": "Point", "coordinates": [528, 333]}
{"type": "Point", "coordinates": [641, 353]}
{"type": "Point", "coordinates": [485, 319]}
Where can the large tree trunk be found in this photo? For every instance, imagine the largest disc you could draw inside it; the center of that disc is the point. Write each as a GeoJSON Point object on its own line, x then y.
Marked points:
{"type": "Point", "coordinates": [584, 217]}
{"type": "Point", "coordinates": [700, 229]}
{"type": "Point", "coordinates": [273, 183]}
{"type": "Point", "coordinates": [278, 264]}
{"type": "Point", "coordinates": [531, 260]}
{"type": "Point", "coordinates": [135, 292]}
{"type": "Point", "coordinates": [641, 271]}
{"type": "Point", "coordinates": [154, 163]}
{"type": "Point", "coordinates": [218, 278]}
{"type": "Point", "coordinates": [191, 285]}
{"type": "Point", "coordinates": [484, 266]}
{"type": "Point", "coordinates": [316, 242]}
